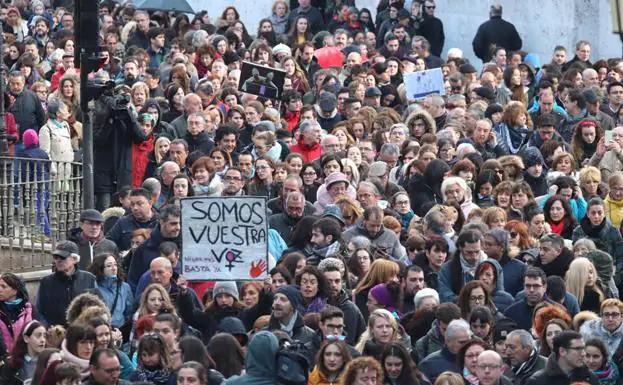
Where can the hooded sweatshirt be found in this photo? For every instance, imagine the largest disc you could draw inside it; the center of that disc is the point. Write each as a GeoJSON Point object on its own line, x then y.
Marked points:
{"type": "Point", "coordinates": [261, 361]}
{"type": "Point", "coordinates": [501, 299]}
{"type": "Point", "coordinates": [614, 211]}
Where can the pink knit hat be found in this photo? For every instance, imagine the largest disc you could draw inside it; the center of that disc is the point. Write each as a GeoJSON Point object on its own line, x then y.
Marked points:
{"type": "Point", "coordinates": [30, 138]}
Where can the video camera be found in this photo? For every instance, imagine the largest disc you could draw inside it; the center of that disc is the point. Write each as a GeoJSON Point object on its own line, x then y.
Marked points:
{"type": "Point", "coordinates": [116, 101]}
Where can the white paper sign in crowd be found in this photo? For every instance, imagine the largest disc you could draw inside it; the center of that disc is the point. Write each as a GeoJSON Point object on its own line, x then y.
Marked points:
{"type": "Point", "coordinates": [423, 83]}
{"type": "Point", "coordinates": [224, 238]}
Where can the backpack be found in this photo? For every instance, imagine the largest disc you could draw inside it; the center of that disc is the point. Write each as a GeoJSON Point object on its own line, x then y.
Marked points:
{"type": "Point", "coordinates": [292, 363]}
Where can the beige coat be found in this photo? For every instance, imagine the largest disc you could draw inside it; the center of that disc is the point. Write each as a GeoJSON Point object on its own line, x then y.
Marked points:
{"type": "Point", "coordinates": [57, 143]}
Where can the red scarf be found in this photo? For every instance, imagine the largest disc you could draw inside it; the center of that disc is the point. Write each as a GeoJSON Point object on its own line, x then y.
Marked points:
{"type": "Point", "coordinates": [557, 228]}
{"type": "Point", "coordinates": [140, 160]}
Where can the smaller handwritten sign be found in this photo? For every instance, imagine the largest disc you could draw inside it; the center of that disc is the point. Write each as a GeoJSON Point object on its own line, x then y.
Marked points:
{"type": "Point", "coordinates": [224, 238]}
{"type": "Point", "coordinates": [423, 83]}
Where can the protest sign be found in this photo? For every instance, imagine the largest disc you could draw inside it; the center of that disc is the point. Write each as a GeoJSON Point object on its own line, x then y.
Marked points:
{"type": "Point", "coordinates": [261, 80]}
{"type": "Point", "coordinates": [423, 83]}
{"type": "Point", "coordinates": [224, 238]}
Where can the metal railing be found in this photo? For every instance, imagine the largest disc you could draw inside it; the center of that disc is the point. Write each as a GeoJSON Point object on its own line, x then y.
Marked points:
{"type": "Point", "coordinates": [40, 201]}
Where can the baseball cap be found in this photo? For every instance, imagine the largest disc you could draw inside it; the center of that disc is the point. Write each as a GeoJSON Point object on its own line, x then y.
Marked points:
{"type": "Point", "coordinates": [65, 249]}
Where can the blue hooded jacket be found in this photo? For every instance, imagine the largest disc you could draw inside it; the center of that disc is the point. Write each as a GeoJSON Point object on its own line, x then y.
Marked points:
{"type": "Point", "coordinates": [261, 362]}
{"type": "Point", "coordinates": [501, 299]}
{"type": "Point", "coordinates": [124, 307]}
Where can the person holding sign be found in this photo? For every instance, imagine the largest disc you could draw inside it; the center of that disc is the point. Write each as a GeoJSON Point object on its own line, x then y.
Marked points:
{"type": "Point", "coordinates": [226, 303]}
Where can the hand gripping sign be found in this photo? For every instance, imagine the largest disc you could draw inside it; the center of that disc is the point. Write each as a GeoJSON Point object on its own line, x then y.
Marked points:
{"type": "Point", "coordinates": [224, 238]}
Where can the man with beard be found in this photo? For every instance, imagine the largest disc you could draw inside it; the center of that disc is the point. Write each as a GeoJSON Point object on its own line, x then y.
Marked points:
{"type": "Point", "coordinates": [411, 284]}
{"type": "Point", "coordinates": [286, 315]}
{"type": "Point", "coordinates": [41, 35]}
{"type": "Point", "coordinates": [354, 323]}
{"type": "Point", "coordinates": [130, 74]}
{"type": "Point", "coordinates": [284, 222]}
{"type": "Point", "coordinates": [234, 182]}
{"type": "Point", "coordinates": [168, 229]}
{"type": "Point", "coordinates": [142, 216]}
{"type": "Point", "coordinates": [325, 240]}
{"type": "Point", "coordinates": [372, 227]}
{"type": "Point", "coordinates": [58, 289]}
{"type": "Point", "coordinates": [535, 287]}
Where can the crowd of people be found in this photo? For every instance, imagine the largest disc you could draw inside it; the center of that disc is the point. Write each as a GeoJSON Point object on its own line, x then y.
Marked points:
{"type": "Point", "coordinates": [470, 238]}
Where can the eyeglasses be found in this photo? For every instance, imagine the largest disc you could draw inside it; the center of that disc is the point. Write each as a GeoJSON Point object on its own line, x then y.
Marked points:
{"type": "Point", "coordinates": [111, 370]}
{"type": "Point", "coordinates": [490, 366]}
{"type": "Point", "coordinates": [262, 167]}
{"type": "Point", "coordinates": [578, 348]}
{"type": "Point", "coordinates": [402, 203]}
{"type": "Point", "coordinates": [611, 315]}
{"type": "Point", "coordinates": [532, 287]}
{"type": "Point", "coordinates": [479, 298]}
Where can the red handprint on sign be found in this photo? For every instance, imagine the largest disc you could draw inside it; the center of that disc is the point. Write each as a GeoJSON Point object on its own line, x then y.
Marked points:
{"type": "Point", "coordinates": [257, 269]}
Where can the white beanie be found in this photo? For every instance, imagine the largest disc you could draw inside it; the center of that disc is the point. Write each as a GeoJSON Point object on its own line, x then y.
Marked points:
{"type": "Point", "coordinates": [425, 293]}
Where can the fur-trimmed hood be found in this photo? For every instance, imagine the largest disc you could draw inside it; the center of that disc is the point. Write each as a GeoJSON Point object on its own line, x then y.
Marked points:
{"type": "Point", "coordinates": [80, 303]}
{"type": "Point", "coordinates": [513, 161]}
{"type": "Point", "coordinates": [421, 113]}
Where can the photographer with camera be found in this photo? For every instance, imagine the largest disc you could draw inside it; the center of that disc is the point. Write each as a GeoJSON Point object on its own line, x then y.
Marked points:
{"type": "Point", "coordinates": [115, 129]}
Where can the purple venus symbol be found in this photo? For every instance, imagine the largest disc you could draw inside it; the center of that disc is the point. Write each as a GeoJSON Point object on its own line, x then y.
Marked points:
{"type": "Point", "coordinates": [230, 256]}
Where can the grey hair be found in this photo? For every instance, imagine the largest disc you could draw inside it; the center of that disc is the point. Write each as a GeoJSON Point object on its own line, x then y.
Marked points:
{"type": "Point", "coordinates": [425, 42]}
{"type": "Point", "coordinates": [307, 126]}
{"type": "Point", "coordinates": [371, 186]}
{"type": "Point", "coordinates": [525, 338]}
{"type": "Point", "coordinates": [326, 138]}
{"type": "Point", "coordinates": [585, 242]}
{"type": "Point", "coordinates": [391, 148]}
{"type": "Point", "coordinates": [361, 242]}
{"type": "Point", "coordinates": [464, 149]}
{"type": "Point", "coordinates": [165, 164]}
{"type": "Point", "coordinates": [152, 185]}
{"type": "Point", "coordinates": [295, 197]}
{"type": "Point", "coordinates": [555, 239]}
{"type": "Point", "coordinates": [435, 221]}
{"type": "Point", "coordinates": [167, 264]}
{"type": "Point", "coordinates": [452, 99]}
{"type": "Point", "coordinates": [456, 326]}
{"type": "Point", "coordinates": [296, 178]}
{"type": "Point", "coordinates": [332, 263]}
{"type": "Point", "coordinates": [200, 114]}
{"type": "Point", "coordinates": [437, 100]}
{"type": "Point", "coordinates": [198, 37]}
{"type": "Point", "coordinates": [54, 105]}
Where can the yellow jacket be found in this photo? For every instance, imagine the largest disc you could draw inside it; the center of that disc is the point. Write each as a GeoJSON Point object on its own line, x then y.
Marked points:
{"type": "Point", "coordinates": [614, 211]}
{"type": "Point", "coordinates": [316, 377]}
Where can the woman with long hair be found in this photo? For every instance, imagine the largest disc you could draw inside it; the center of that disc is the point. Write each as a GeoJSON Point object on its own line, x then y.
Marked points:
{"type": "Point", "coordinates": [78, 347]}
{"type": "Point", "coordinates": [511, 88]}
{"type": "Point", "coordinates": [383, 330]}
{"type": "Point", "coordinates": [279, 16]}
{"type": "Point", "coordinates": [582, 281]}
{"type": "Point", "coordinates": [294, 71]}
{"type": "Point", "coordinates": [227, 354]}
{"type": "Point", "coordinates": [174, 93]}
{"type": "Point", "coordinates": [586, 135]}
{"type": "Point", "coordinates": [193, 349]}
{"type": "Point", "coordinates": [141, 151]}
{"type": "Point", "coordinates": [598, 361]}
{"type": "Point", "coordinates": [512, 131]}
{"type": "Point", "coordinates": [154, 361]}
{"type": "Point", "coordinates": [559, 216]}
{"type": "Point", "coordinates": [262, 183]}
{"type": "Point", "coordinates": [381, 271]}
{"type": "Point", "coordinates": [359, 264]}
{"type": "Point", "coordinates": [46, 358]}
{"type": "Point", "coordinates": [112, 288]}
{"type": "Point", "coordinates": [104, 340]}
{"type": "Point", "coordinates": [300, 31]}
{"type": "Point", "coordinates": [310, 175]}
{"type": "Point", "coordinates": [23, 357]}
{"type": "Point", "coordinates": [15, 308]}
{"type": "Point", "coordinates": [331, 361]}
{"type": "Point", "coordinates": [552, 328]}
{"type": "Point", "coordinates": [68, 92]}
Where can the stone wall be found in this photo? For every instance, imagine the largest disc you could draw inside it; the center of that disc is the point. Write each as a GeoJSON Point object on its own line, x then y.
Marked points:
{"type": "Point", "coordinates": [543, 24]}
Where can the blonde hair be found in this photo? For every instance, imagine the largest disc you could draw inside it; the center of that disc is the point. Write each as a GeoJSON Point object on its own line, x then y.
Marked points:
{"type": "Point", "coordinates": [167, 305]}
{"type": "Point", "coordinates": [589, 174]}
{"type": "Point", "coordinates": [560, 156]}
{"type": "Point", "coordinates": [158, 142]}
{"type": "Point", "coordinates": [346, 162]}
{"type": "Point", "coordinates": [367, 334]}
{"type": "Point", "coordinates": [449, 378]}
{"type": "Point", "coordinates": [381, 271]}
{"type": "Point", "coordinates": [610, 302]}
{"type": "Point", "coordinates": [577, 277]}
{"type": "Point", "coordinates": [490, 213]}
{"type": "Point", "coordinates": [140, 86]}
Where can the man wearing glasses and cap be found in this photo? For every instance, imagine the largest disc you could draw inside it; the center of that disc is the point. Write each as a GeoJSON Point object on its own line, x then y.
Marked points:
{"type": "Point", "coordinates": [58, 289]}
{"type": "Point", "coordinates": [89, 238]}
